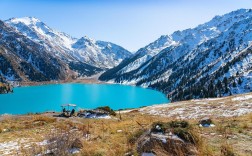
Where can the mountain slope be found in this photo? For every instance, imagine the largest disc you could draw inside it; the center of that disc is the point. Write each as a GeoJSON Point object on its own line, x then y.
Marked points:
{"type": "Point", "coordinates": [22, 59]}
{"type": "Point", "coordinates": [213, 59]}
{"type": "Point", "coordinates": [99, 53]}
{"type": "Point", "coordinates": [96, 53]}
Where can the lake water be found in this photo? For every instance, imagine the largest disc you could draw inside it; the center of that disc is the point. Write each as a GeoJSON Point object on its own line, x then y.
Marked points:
{"type": "Point", "coordinates": [50, 97]}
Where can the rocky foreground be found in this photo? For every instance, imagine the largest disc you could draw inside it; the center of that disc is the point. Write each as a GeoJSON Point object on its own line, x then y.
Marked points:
{"type": "Point", "coordinates": [148, 130]}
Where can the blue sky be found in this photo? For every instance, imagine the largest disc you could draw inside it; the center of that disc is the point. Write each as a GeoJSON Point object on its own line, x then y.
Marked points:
{"type": "Point", "coordinates": [129, 23]}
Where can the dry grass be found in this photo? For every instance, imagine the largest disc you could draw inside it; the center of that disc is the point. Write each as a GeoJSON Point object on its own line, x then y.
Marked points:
{"type": "Point", "coordinates": [227, 150]}
{"type": "Point", "coordinates": [195, 109]}
{"type": "Point", "coordinates": [41, 118]}
{"type": "Point", "coordinates": [193, 142]}
{"type": "Point", "coordinates": [113, 137]}
{"type": "Point", "coordinates": [25, 122]}
{"type": "Point", "coordinates": [250, 117]}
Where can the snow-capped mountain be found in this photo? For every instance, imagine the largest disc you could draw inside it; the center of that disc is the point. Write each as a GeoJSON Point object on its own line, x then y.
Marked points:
{"type": "Point", "coordinates": [23, 59]}
{"type": "Point", "coordinates": [213, 59]}
{"type": "Point", "coordinates": [99, 53]}
{"type": "Point", "coordinates": [96, 53]}
{"type": "Point", "coordinates": [32, 51]}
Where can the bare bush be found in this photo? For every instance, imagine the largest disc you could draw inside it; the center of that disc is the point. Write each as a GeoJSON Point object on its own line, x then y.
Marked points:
{"type": "Point", "coordinates": [61, 142]}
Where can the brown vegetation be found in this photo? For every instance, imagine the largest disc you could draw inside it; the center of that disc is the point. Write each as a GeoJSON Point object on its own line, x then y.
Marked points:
{"type": "Point", "coordinates": [118, 137]}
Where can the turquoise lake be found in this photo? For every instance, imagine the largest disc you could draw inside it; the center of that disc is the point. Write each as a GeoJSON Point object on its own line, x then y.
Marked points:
{"type": "Point", "coordinates": [35, 99]}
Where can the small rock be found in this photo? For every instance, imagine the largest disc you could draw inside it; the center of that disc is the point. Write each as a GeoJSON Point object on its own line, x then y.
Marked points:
{"type": "Point", "coordinates": [74, 150]}
{"type": "Point", "coordinates": [119, 131]}
{"type": "Point", "coordinates": [212, 125]}
{"type": "Point", "coordinates": [158, 127]}
{"type": "Point", "coordinates": [206, 122]}
{"type": "Point", "coordinates": [129, 154]}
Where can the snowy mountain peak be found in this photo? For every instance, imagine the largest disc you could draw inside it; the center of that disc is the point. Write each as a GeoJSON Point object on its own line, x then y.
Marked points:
{"type": "Point", "coordinates": [87, 38]}
{"type": "Point", "coordinates": [83, 42]}
{"type": "Point", "coordinates": [188, 63]}
{"type": "Point", "coordinates": [25, 20]}
{"type": "Point", "coordinates": [65, 47]}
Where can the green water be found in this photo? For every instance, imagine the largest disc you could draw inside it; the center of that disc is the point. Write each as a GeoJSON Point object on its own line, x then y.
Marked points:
{"type": "Point", "coordinates": [36, 99]}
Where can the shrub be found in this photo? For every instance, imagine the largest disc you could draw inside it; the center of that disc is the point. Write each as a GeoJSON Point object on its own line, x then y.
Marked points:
{"type": "Point", "coordinates": [178, 124]}
{"type": "Point", "coordinates": [169, 125]}
{"type": "Point", "coordinates": [61, 142]}
{"type": "Point", "coordinates": [108, 109]}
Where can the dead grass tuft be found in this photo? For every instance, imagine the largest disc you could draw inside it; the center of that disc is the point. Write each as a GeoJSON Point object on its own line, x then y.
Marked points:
{"type": "Point", "coordinates": [227, 150]}
{"type": "Point", "coordinates": [42, 118]}
{"type": "Point", "coordinates": [190, 142]}
{"type": "Point", "coordinates": [59, 142]}
{"type": "Point", "coordinates": [132, 138]}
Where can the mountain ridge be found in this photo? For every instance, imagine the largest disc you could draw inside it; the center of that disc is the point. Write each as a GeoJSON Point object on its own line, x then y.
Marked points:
{"type": "Point", "coordinates": [32, 51]}
{"type": "Point", "coordinates": [186, 53]}
{"type": "Point", "coordinates": [64, 45]}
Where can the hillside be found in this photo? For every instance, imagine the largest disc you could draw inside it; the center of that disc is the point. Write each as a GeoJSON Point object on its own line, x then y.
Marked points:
{"type": "Point", "coordinates": [210, 60]}
{"type": "Point", "coordinates": [35, 134]}
{"type": "Point", "coordinates": [23, 59]}
{"type": "Point", "coordinates": [30, 51]}
{"type": "Point", "coordinates": [100, 54]}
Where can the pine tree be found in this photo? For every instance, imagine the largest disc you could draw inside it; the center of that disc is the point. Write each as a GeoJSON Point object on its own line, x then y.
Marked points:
{"type": "Point", "coordinates": [237, 73]}
{"type": "Point", "coordinates": [219, 85]}
{"type": "Point", "coordinates": [234, 84]}
{"type": "Point", "coordinates": [239, 81]}
{"type": "Point", "coordinates": [225, 81]}
{"type": "Point", "coordinates": [226, 89]}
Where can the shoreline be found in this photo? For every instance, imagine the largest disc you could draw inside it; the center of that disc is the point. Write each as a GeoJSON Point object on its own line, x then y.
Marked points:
{"type": "Point", "coordinates": [85, 80]}
{"type": "Point", "coordinates": [195, 108]}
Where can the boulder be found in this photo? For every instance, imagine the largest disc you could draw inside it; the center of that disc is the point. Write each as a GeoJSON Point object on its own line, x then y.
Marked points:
{"type": "Point", "coordinates": [163, 144]}
{"type": "Point", "coordinates": [206, 122]}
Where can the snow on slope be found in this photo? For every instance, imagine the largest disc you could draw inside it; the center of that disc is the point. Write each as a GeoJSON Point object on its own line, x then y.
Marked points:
{"type": "Point", "coordinates": [197, 109]}
{"type": "Point", "coordinates": [188, 38]}
{"type": "Point", "coordinates": [98, 53]}
{"type": "Point", "coordinates": [194, 57]}
{"type": "Point", "coordinates": [37, 30]}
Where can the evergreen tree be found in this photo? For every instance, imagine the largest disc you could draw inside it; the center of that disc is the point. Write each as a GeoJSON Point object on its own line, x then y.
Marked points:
{"type": "Point", "coordinates": [226, 89]}
{"type": "Point", "coordinates": [225, 81]}
{"type": "Point", "coordinates": [239, 81]}
{"type": "Point", "coordinates": [219, 85]}
{"type": "Point", "coordinates": [234, 84]}
{"type": "Point", "coordinates": [237, 73]}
